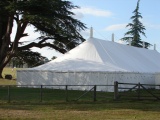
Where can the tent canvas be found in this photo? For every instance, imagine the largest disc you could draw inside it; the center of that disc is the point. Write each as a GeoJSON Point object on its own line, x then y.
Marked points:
{"type": "Point", "coordinates": [99, 55]}
{"type": "Point", "coordinates": [110, 61]}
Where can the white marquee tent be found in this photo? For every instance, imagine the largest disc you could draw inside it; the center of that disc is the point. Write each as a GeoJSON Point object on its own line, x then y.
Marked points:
{"type": "Point", "coordinates": [96, 62]}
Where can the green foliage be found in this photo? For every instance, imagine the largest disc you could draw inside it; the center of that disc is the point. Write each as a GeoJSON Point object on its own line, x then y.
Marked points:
{"type": "Point", "coordinates": [53, 19]}
{"type": "Point", "coordinates": [135, 29]}
{"type": "Point", "coordinates": [27, 57]}
{"type": "Point", "coordinates": [31, 58]}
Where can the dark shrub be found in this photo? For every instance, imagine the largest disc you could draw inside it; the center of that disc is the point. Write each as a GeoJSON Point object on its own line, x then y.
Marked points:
{"type": "Point", "coordinates": [8, 76]}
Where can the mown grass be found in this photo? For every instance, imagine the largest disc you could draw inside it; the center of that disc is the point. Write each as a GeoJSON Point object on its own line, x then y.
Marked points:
{"type": "Point", "coordinates": [25, 104]}
{"type": "Point", "coordinates": [83, 111]}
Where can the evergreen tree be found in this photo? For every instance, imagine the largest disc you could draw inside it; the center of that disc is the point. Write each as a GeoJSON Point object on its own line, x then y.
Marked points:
{"type": "Point", "coordinates": [53, 19]}
{"type": "Point", "coordinates": [135, 29]}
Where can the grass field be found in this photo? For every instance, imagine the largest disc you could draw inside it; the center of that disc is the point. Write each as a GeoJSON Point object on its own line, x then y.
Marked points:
{"type": "Point", "coordinates": [53, 108]}
{"type": "Point", "coordinates": [82, 111]}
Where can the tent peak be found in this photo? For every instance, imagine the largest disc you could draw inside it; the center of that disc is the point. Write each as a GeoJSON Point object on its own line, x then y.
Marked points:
{"type": "Point", "coordinates": [91, 32]}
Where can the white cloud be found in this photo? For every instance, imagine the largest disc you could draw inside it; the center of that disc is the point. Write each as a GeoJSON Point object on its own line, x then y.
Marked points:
{"type": "Point", "coordinates": [115, 27]}
{"type": "Point", "coordinates": [49, 53]}
{"type": "Point", "coordinates": [92, 11]}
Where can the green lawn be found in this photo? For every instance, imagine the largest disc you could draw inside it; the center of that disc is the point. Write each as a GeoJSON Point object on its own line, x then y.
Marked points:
{"type": "Point", "coordinates": [82, 111]}
{"type": "Point", "coordinates": [25, 104]}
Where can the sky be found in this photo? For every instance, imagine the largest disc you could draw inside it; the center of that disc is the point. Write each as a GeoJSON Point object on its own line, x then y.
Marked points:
{"type": "Point", "coordinates": [111, 16]}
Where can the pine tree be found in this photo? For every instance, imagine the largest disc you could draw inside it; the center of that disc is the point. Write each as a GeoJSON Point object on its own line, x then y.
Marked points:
{"type": "Point", "coordinates": [135, 29]}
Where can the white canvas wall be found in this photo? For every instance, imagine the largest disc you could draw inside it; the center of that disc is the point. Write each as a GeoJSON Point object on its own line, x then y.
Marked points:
{"type": "Point", "coordinates": [82, 78]}
{"type": "Point", "coordinates": [157, 80]}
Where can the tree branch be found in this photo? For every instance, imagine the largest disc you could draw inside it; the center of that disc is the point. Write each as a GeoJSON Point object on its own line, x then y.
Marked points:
{"type": "Point", "coordinates": [40, 45]}
{"type": "Point", "coordinates": [44, 39]}
{"type": "Point", "coordinates": [20, 33]}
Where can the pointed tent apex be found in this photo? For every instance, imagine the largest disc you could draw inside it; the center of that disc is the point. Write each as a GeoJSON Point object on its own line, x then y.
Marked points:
{"type": "Point", "coordinates": [130, 40]}
{"type": "Point", "coordinates": [154, 46]}
{"type": "Point", "coordinates": [112, 37]}
{"type": "Point", "coordinates": [143, 44]}
{"type": "Point", "coordinates": [91, 32]}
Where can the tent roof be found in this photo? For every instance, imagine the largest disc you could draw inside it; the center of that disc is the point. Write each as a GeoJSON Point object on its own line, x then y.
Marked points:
{"type": "Point", "coordinates": [100, 55]}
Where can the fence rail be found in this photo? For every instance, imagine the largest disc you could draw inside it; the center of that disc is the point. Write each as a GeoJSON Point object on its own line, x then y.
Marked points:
{"type": "Point", "coordinates": [41, 93]}
{"type": "Point", "coordinates": [136, 91]}
{"type": "Point", "coordinates": [30, 93]}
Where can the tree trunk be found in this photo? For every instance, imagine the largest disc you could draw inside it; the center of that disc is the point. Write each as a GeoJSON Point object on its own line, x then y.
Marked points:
{"type": "Point", "coordinates": [5, 41]}
{"type": "Point", "coordinates": [1, 69]}
{"type": "Point", "coordinates": [5, 56]}
{"type": "Point", "coordinates": [2, 59]}
{"type": "Point", "coordinates": [3, 63]}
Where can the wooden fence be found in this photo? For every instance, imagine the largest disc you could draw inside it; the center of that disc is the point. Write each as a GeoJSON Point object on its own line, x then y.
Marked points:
{"type": "Point", "coordinates": [136, 91]}
{"type": "Point", "coordinates": [40, 93]}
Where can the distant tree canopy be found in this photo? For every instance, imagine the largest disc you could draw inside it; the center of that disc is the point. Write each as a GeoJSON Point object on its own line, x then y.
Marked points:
{"type": "Point", "coordinates": [28, 58]}
{"type": "Point", "coordinates": [53, 19]}
{"type": "Point", "coordinates": [135, 29]}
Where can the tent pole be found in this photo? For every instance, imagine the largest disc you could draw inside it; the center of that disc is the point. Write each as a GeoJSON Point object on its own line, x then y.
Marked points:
{"type": "Point", "coordinates": [154, 46]}
{"type": "Point", "coordinates": [112, 37]}
{"type": "Point", "coordinates": [91, 32]}
{"type": "Point", "coordinates": [130, 42]}
{"type": "Point", "coordinates": [143, 44]}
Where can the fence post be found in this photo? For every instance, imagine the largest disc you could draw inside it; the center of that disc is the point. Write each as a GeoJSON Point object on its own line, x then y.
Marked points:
{"type": "Point", "coordinates": [9, 98]}
{"type": "Point", "coordinates": [41, 93]}
{"type": "Point", "coordinates": [94, 94]}
{"type": "Point", "coordinates": [66, 93]}
{"type": "Point", "coordinates": [139, 91]}
{"type": "Point", "coordinates": [115, 90]}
